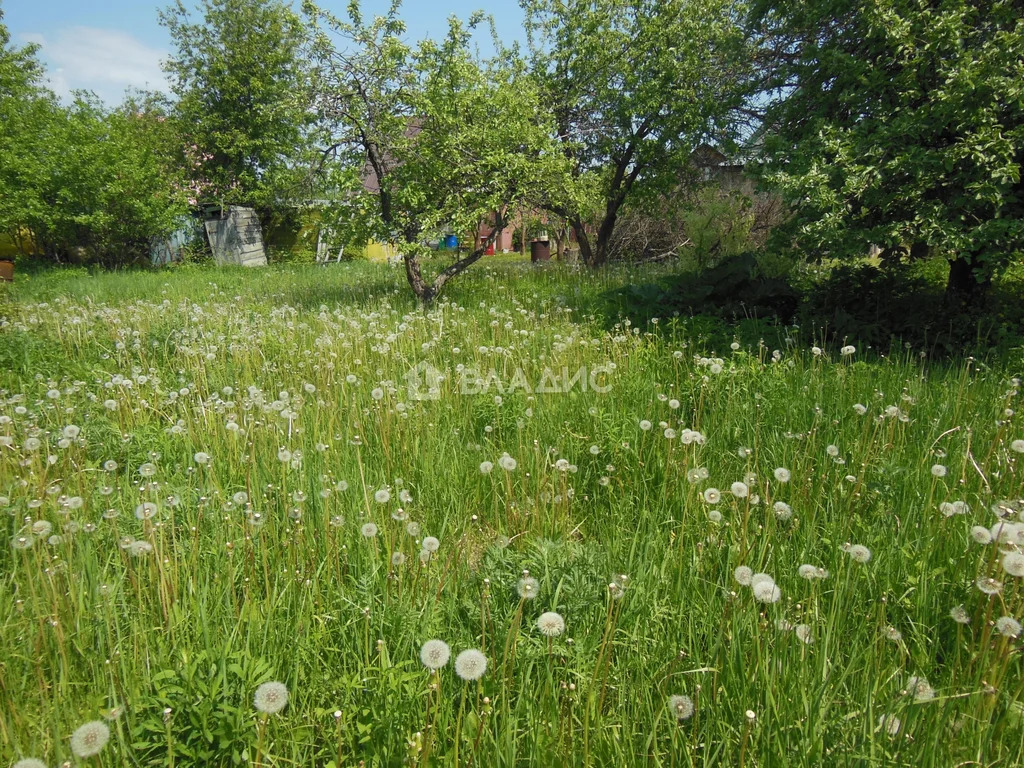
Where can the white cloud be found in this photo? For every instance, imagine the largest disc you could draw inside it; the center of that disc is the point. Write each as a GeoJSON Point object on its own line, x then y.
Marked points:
{"type": "Point", "coordinates": [105, 61]}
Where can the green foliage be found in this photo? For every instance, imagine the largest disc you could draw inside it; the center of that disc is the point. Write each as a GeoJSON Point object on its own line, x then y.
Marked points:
{"type": "Point", "coordinates": [84, 181]}
{"type": "Point", "coordinates": [241, 82]}
{"type": "Point", "coordinates": [425, 140]}
{"type": "Point", "coordinates": [199, 712]}
{"type": "Point", "coordinates": [900, 123]}
{"type": "Point", "coordinates": [27, 109]}
{"type": "Point", "coordinates": [718, 225]}
{"type": "Point", "coordinates": [116, 185]}
{"type": "Point", "coordinates": [633, 88]}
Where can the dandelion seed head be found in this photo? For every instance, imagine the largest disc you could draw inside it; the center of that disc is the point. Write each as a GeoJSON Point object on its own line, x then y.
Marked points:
{"type": "Point", "coordinates": [811, 572]}
{"type": "Point", "coordinates": [1007, 626]}
{"type": "Point", "coordinates": [368, 530]}
{"type": "Point", "coordinates": [981, 535]}
{"type": "Point", "coordinates": [989, 586]}
{"type": "Point", "coordinates": [766, 592]}
{"type": "Point", "coordinates": [551, 624]}
{"type": "Point", "coordinates": [890, 724]}
{"type": "Point", "coordinates": [859, 553]}
{"type": "Point", "coordinates": [470, 664]}
{"type": "Point", "coordinates": [743, 574]}
{"type": "Point", "coordinates": [382, 496]}
{"type": "Point", "coordinates": [528, 588]}
{"type": "Point", "coordinates": [681, 707]}
{"type": "Point", "coordinates": [1013, 564]}
{"type": "Point", "coordinates": [146, 510]}
{"type": "Point", "coordinates": [959, 615]}
{"type": "Point", "coordinates": [782, 474]}
{"type": "Point", "coordinates": [89, 739]}
{"type": "Point", "coordinates": [435, 654]}
{"type": "Point", "coordinates": [920, 689]}
{"type": "Point", "coordinates": [271, 697]}
{"type": "Point", "coordinates": [938, 470]}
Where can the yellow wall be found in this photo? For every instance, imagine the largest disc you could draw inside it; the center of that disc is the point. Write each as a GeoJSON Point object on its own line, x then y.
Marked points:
{"type": "Point", "coordinates": [8, 248]}
{"type": "Point", "coordinates": [381, 252]}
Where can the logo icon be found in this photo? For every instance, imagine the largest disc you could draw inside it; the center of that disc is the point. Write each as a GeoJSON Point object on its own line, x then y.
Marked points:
{"type": "Point", "coordinates": [423, 382]}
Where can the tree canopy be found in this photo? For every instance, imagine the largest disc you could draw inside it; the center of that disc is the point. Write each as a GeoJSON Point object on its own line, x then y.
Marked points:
{"type": "Point", "coordinates": [240, 78]}
{"type": "Point", "coordinates": [426, 140]}
{"type": "Point", "coordinates": [901, 125]}
{"type": "Point", "coordinates": [633, 87]}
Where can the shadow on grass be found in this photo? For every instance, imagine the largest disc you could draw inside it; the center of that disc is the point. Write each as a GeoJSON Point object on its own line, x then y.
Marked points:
{"type": "Point", "coordinates": [899, 306]}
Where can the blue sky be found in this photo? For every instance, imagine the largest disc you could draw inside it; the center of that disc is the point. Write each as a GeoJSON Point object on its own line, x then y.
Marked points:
{"type": "Point", "coordinates": [109, 45]}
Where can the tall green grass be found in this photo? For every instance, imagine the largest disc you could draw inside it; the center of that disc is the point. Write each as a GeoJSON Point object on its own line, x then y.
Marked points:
{"type": "Point", "coordinates": [254, 565]}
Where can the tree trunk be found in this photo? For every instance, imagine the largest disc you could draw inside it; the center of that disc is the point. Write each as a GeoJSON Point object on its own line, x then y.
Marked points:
{"type": "Point", "coordinates": [967, 285]}
{"type": "Point", "coordinates": [424, 292]}
{"type": "Point", "coordinates": [427, 292]}
{"type": "Point", "coordinates": [583, 240]}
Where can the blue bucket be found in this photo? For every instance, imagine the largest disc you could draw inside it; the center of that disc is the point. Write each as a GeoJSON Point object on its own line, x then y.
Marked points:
{"type": "Point", "coordinates": [451, 242]}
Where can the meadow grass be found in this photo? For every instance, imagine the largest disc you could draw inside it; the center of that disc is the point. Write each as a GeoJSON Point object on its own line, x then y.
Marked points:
{"type": "Point", "coordinates": [190, 462]}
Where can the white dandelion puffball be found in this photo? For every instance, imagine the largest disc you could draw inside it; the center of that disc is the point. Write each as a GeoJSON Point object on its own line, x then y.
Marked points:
{"type": "Point", "coordinates": [29, 762]}
{"type": "Point", "coordinates": [804, 634]}
{"type": "Point", "coordinates": [146, 510]}
{"type": "Point", "coordinates": [431, 544]}
{"type": "Point", "coordinates": [739, 490]}
{"type": "Point", "coordinates": [767, 592]}
{"type": "Point", "coordinates": [890, 723]}
{"type": "Point", "coordinates": [89, 739]}
{"type": "Point", "coordinates": [551, 624]}
{"type": "Point", "coordinates": [980, 534]}
{"type": "Point", "coordinates": [859, 553]}
{"type": "Point", "coordinates": [202, 457]}
{"type": "Point", "coordinates": [860, 409]}
{"type": "Point", "coordinates": [507, 463]}
{"type": "Point", "coordinates": [435, 654]}
{"type": "Point", "coordinates": [760, 578]}
{"type": "Point", "coordinates": [369, 530]}
{"type": "Point", "coordinates": [715, 516]}
{"type": "Point", "coordinates": [271, 697]}
{"type": "Point", "coordinates": [645, 425]}
{"type": "Point", "coordinates": [1007, 626]}
{"type": "Point", "coordinates": [382, 496]}
{"type": "Point", "coordinates": [938, 470]}
{"type": "Point", "coordinates": [470, 664]}
{"type": "Point", "coordinates": [782, 474]}
{"type": "Point", "coordinates": [1013, 564]}
{"type": "Point", "coordinates": [528, 588]}
{"type": "Point", "coordinates": [920, 689]}
{"type": "Point", "coordinates": [681, 707]}
{"type": "Point", "coordinates": [712, 495]}
{"type": "Point", "coordinates": [1017, 446]}
{"type": "Point", "coordinates": [988, 586]}
{"type": "Point", "coordinates": [783, 512]}
{"type": "Point", "coordinates": [959, 615]}
{"type": "Point", "coordinates": [743, 574]}
{"type": "Point", "coordinates": [848, 350]}
{"type": "Point", "coordinates": [486, 467]}
{"type": "Point", "coordinates": [811, 572]}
